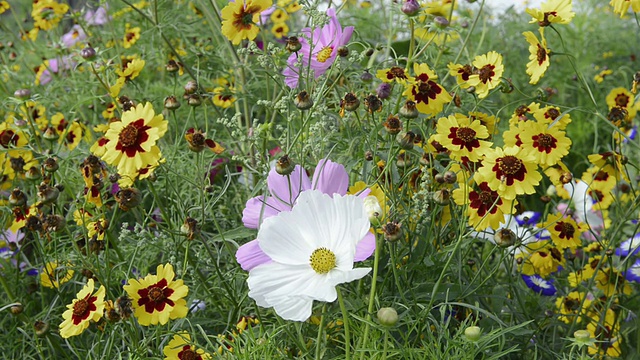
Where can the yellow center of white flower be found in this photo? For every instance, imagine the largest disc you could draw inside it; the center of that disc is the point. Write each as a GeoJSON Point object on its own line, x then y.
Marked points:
{"type": "Point", "coordinates": [325, 54]}
{"type": "Point", "coordinates": [322, 260]}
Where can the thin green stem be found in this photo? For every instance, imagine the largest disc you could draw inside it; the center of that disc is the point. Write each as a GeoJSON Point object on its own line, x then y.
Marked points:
{"type": "Point", "coordinates": [345, 319]}
{"type": "Point", "coordinates": [372, 295]}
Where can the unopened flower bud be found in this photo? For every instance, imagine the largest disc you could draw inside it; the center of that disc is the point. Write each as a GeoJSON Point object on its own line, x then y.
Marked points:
{"type": "Point", "coordinates": [17, 308]}
{"type": "Point", "coordinates": [387, 316]}
{"type": "Point", "coordinates": [17, 198]}
{"type": "Point", "coordinates": [504, 237]}
{"type": "Point", "coordinates": [373, 209]}
{"type": "Point", "coordinates": [171, 103]}
{"type": "Point", "coordinates": [582, 337]}
{"type": "Point", "coordinates": [284, 165]}
{"type": "Point", "coordinates": [172, 66]}
{"type": "Point", "coordinates": [406, 140]}
{"type": "Point", "coordinates": [53, 223]}
{"type": "Point", "coordinates": [450, 177]}
{"type": "Point", "coordinates": [373, 103]}
{"type": "Point", "coordinates": [293, 44]}
{"type": "Point", "coordinates": [88, 53]}
{"type": "Point", "coordinates": [410, 7]}
{"type": "Point", "coordinates": [366, 76]}
{"type": "Point", "coordinates": [368, 155]}
{"type": "Point", "coordinates": [50, 134]}
{"type": "Point", "coordinates": [303, 101]}
{"type": "Point", "coordinates": [392, 231]}
{"type": "Point", "coordinates": [392, 125]}
{"type": "Point", "coordinates": [506, 87]}
{"type": "Point", "coordinates": [369, 52]}
{"type": "Point", "coordinates": [190, 228]}
{"type": "Point", "coordinates": [47, 194]}
{"type": "Point", "coordinates": [191, 87]}
{"type": "Point", "coordinates": [50, 165]}
{"type": "Point", "coordinates": [566, 178]}
{"type": "Point", "coordinates": [41, 328]}
{"type": "Point", "coordinates": [383, 91]}
{"type": "Point", "coordinates": [22, 94]}
{"type": "Point", "coordinates": [33, 173]}
{"type": "Point", "coordinates": [409, 110]}
{"type": "Point", "coordinates": [473, 333]}
{"type": "Point", "coordinates": [441, 22]}
{"type": "Point", "coordinates": [194, 100]}
{"type": "Point", "coordinates": [442, 197]}
{"type": "Point", "coordinates": [350, 102]}
{"type": "Point", "coordinates": [128, 198]}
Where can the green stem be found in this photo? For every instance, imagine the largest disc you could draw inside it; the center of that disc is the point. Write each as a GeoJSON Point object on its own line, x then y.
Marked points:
{"type": "Point", "coordinates": [372, 295]}
{"type": "Point", "coordinates": [320, 332]}
{"type": "Point", "coordinates": [345, 319]}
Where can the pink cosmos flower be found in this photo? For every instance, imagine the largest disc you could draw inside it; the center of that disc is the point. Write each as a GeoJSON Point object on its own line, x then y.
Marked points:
{"type": "Point", "coordinates": [97, 17]}
{"type": "Point", "coordinates": [329, 177]}
{"type": "Point", "coordinates": [74, 36]}
{"type": "Point", "coordinates": [54, 66]}
{"type": "Point", "coordinates": [319, 57]}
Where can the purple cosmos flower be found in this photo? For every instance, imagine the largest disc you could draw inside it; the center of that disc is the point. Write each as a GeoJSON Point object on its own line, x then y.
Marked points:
{"type": "Point", "coordinates": [97, 17]}
{"type": "Point", "coordinates": [329, 178]}
{"type": "Point", "coordinates": [319, 57]}
{"type": "Point", "coordinates": [630, 246]}
{"type": "Point", "coordinates": [74, 36]}
{"type": "Point", "coordinates": [54, 66]}
{"type": "Point", "coordinates": [540, 285]}
{"type": "Point", "coordinates": [633, 273]}
{"type": "Point", "coordinates": [10, 242]}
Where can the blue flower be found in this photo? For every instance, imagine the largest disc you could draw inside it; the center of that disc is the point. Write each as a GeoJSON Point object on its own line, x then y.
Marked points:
{"type": "Point", "coordinates": [633, 273]}
{"type": "Point", "coordinates": [540, 285]}
{"type": "Point", "coordinates": [630, 246]}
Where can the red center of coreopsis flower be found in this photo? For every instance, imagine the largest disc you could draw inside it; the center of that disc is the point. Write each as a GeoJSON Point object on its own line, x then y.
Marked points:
{"type": "Point", "coordinates": [486, 73]}
{"type": "Point", "coordinates": [465, 71]}
{"type": "Point", "coordinates": [541, 54]}
{"type": "Point", "coordinates": [131, 137]}
{"type": "Point", "coordinates": [571, 304]}
{"type": "Point", "coordinates": [244, 18]}
{"type": "Point", "coordinates": [8, 137]}
{"type": "Point", "coordinates": [544, 142]}
{"type": "Point", "coordinates": [509, 168]}
{"type": "Point", "coordinates": [130, 35]}
{"type": "Point", "coordinates": [425, 89]}
{"type": "Point", "coordinates": [552, 114]}
{"type": "Point", "coordinates": [62, 125]}
{"type": "Point", "coordinates": [396, 73]}
{"type": "Point", "coordinates": [596, 195]}
{"type": "Point", "coordinates": [155, 297]}
{"type": "Point", "coordinates": [464, 137]}
{"type": "Point", "coordinates": [82, 308]}
{"type": "Point", "coordinates": [188, 354]}
{"type": "Point", "coordinates": [601, 176]}
{"type": "Point", "coordinates": [485, 200]}
{"type": "Point", "coordinates": [556, 254]}
{"type": "Point", "coordinates": [565, 230]}
{"type": "Point", "coordinates": [622, 100]}
{"type": "Point", "coordinates": [545, 21]}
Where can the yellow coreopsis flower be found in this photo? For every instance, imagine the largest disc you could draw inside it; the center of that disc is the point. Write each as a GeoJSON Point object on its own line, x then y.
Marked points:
{"type": "Point", "coordinates": [86, 307]}
{"type": "Point", "coordinates": [52, 276]}
{"type": "Point", "coordinates": [564, 231]}
{"type": "Point", "coordinates": [485, 207]}
{"type": "Point", "coordinates": [462, 137]}
{"type": "Point", "coordinates": [47, 14]}
{"type": "Point", "coordinates": [131, 36]}
{"type": "Point", "coordinates": [622, 6]}
{"type": "Point", "coordinates": [158, 298]}
{"type": "Point", "coordinates": [540, 258]}
{"type": "Point", "coordinates": [429, 96]}
{"type": "Point", "coordinates": [130, 144]}
{"type": "Point", "coordinates": [240, 19]}
{"type": "Point", "coordinates": [572, 306]}
{"type": "Point", "coordinates": [623, 99]}
{"type": "Point", "coordinates": [4, 6]}
{"type": "Point", "coordinates": [547, 144]}
{"type": "Point", "coordinates": [487, 75]}
{"type": "Point", "coordinates": [552, 12]}
{"type": "Point", "coordinates": [180, 348]}
{"type": "Point", "coordinates": [538, 55]}
{"type": "Point", "coordinates": [510, 171]}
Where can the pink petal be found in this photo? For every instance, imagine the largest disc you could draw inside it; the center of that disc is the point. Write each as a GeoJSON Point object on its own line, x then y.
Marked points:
{"type": "Point", "coordinates": [330, 178]}
{"type": "Point", "coordinates": [365, 247]}
{"type": "Point", "coordinates": [250, 255]}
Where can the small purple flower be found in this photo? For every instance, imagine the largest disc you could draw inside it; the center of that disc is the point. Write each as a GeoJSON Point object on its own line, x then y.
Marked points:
{"type": "Point", "coordinates": [540, 285]}
{"type": "Point", "coordinates": [54, 66]}
{"type": "Point", "coordinates": [319, 57]}
{"type": "Point", "coordinates": [383, 91]}
{"type": "Point", "coordinates": [97, 17]}
{"type": "Point", "coordinates": [329, 178]}
{"type": "Point", "coordinates": [74, 36]}
{"type": "Point", "coordinates": [630, 246]}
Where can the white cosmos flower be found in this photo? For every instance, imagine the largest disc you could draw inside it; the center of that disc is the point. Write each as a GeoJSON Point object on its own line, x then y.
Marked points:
{"type": "Point", "coordinates": [312, 249]}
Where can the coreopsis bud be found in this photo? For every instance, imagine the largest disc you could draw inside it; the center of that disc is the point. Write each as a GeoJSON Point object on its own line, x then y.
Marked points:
{"type": "Point", "coordinates": [583, 337]}
{"type": "Point", "coordinates": [293, 44]}
{"type": "Point", "coordinates": [366, 76]}
{"type": "Point", "coordinates": [350, 102]}
{"type": "Point", "coordinates": [17, 198]}
{"type": "Point", "coordinates": [369, 52]}
{"type": "Point", "coordinates": [22, 94]}
{"type": "Point", "coordinates": [504, 237]}
{"type": "Point", "coordinates": [33, 173]}
{"type": "Point", "coordinates": [406, 140]}
{"type": "Point", "coordinates": [373, 103]}
{"type": "Point", "coordinates": [88, 53]}
{"type": "Point", "coordinates": [50, 165]}
{"type": "Point", "coordinates": [191, 87]}
{"type": "Point", "coordinates": [425, 159]}
{"type": "Point", "coordinates": [439, 178]}
{"type": "Point", "coordinates": [53, 223]}
{"type": "Point", "coordinates": [172, 66]}
{"type": "Point", "coordinates": [194, 100]}
{"type": "Point", "coordinates": [41, 328]}
{"type": "Point", "coordinates": [450, 177]}
{"type": "Point", "coordinates": [128, 198]}
{"type": "Point", "coordinates": [50, 134]}
{"type": "Point", "coordinates": [47, 194]}
{"type": "Point", "coordinates": [392, 125]}
{"type": "Point", "coordinates": [410, 7]}
{"type": "Point", "coordinates": [343, 51]}
{"type": "Point", "coordinates": [566, 177]}
{"type": "Point", "coordinates": [442, 196]}
{"type": "Point", "coordinates": [387, 316]}
{"type": "Point", "coordinates": [368, 155]}
{"type": "Point", "coordinates": [473, 333]}
{"type": "Point", "coordinates": [303, 101]}
{"type": "Point", "coordinates": [383, 91]}
{"type": "Point", "coordinates": [506, 87]}
{"type": "Point", "coordinates": [171, 103]}
{"type": "Point", "coordinates": [17, 308]}
{"type": "Point", "coordinates": [409, 110]}
{"type": "Point", "coordinates": [190, 228]}
{"type": "Point", "coordinates": [392, 231]}
{"type": "Point", "coordinates": [441, 22]}
{"type": "Point", "coordinates": [284, 165]}
{"type": "Point", "coordinates": [123, 306]}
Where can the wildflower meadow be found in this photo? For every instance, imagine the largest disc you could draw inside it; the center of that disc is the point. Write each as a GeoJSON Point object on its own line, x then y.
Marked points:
{"type": "Point", "coordinates": [299, 179]}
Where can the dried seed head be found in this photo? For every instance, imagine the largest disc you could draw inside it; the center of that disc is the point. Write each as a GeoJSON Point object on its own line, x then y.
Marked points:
{"type": "Point", "coordinates": [293, 44]}
{"type": "Point", "coordinates": [303, 100]}
{"type": "Point", "coordinates": [171, 103]}
{"type": "Point", "coordinates": [128, 198]}
{"type": "Point", "coordinates": [409, 110]}
{"type": "Point", "coordinates": [392, 125]}
{"type": "Point", "coordinates": [17, 198]}
{"type": "Point", "coordinates": [172, 66]}
{"type": "Point", "coordinates": [191, 87]}
{"type": "Point", "coordinates": [284, 165]}
{"type": "Point", "coordinates": [392, 231]}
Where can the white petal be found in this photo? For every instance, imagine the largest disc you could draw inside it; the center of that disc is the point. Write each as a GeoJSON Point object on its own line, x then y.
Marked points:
{"type": "Point", "coordinates": [276, 280]}
{"type": "Point", "coordinates": [294, 308]}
